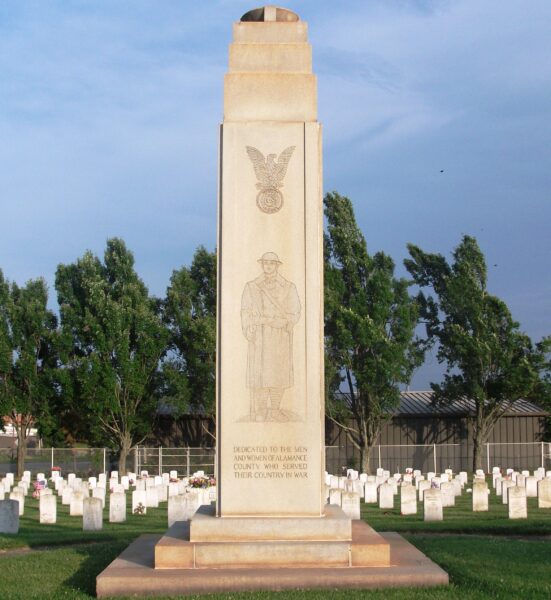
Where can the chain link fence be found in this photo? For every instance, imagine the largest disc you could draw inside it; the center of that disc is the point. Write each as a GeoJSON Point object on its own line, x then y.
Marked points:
{"type": "Point", "coordinates": [437, 457]}
{"type": "Point", "coordinates": [428, 457]}
{"type": "Point", "coordinates": [82, 461]}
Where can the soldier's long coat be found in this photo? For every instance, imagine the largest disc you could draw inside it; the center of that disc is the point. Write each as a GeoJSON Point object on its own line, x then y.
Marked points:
{"type": "Point", "coordinates": [264, 304]}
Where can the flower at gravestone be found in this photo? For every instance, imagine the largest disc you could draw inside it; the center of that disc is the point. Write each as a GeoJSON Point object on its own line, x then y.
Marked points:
{"type": "Point", "coordinates": [173, 480]}
{"type": "Point", "coordinates": [201, 482]}
{"type": "Point", "coordinates": [434, 485]}
{"type": "Point", "coordinates": [140, 509]}
{"type": "Point", "coordinates": [38, 485]}
{"type": "Point", "coordinates": [56, 469]}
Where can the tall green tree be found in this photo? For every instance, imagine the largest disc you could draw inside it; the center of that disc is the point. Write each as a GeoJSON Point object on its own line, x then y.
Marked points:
{"type": "Point", "coordinates": [488, 359]}
{"type": "Point", "coordinates": [28, 360]}
{"type": "Point", "coordinates": [190, 314]}
{"type": "Point", "coordinates": [116, 339]}
{"type": "Point", "coordinates": [370, 322]}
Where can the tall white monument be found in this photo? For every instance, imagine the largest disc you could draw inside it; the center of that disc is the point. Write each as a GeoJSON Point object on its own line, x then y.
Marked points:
{"type": "Point", "coordinates": [270, 409]}
{"type": "Point", "coordinates": [272, 528]}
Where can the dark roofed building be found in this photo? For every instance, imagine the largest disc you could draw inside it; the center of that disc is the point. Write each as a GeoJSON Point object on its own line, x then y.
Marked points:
{"type": "Point", "coordinates": [419, 424]}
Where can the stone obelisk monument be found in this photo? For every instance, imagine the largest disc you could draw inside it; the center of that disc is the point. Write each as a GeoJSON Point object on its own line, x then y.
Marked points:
{"type": "Point", "coordinates": [270, 409]}
{"type": "Point", "coordinates": [272, 528]}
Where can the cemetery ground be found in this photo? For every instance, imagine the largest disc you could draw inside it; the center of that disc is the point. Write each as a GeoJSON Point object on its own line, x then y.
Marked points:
{"type": "Point", "coordinates": [486, 555]}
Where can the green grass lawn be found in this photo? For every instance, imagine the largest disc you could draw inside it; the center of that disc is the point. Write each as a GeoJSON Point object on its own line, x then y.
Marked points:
{"type": "Point", "coordinates": [62, 561]}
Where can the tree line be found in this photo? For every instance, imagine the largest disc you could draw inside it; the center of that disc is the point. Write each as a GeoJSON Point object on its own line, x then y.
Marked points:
{"type": "Point", "coordinates": [98, 370]}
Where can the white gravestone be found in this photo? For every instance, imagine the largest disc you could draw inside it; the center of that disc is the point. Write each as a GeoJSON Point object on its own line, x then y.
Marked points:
{"type": "Point", "coordinates": [117, 507]}
{"type": "Point", "coordinates": [408, 500]}
{"type": "Point", "coordinates": [173, 474]}
{"type": "Point", "coordinates": [463, 475]}
{"type": "Point", "coordinates": [48, 509]}
{"type": "Point", "coordinates": [172, 489]}
{"type": "Point", "coordinates": [92, 514]}
{"type": "Point", "coordinates": [125, 482]}
{"type": "Point", "coordinates": [544, 493]}
{"type": "Point", "coordinates": [370, 492]}
{"type": "Point", "coordinates": [350, 504]}
{"type": "Point", "coordinates": [335, 496]}
{"type": "Point", "coordinates": [99, 492]}
{"type": "Point", "coordinates": [66, 496]}
{"type": "Point", "coordinates": [531, 484]}
{"type": "Point", "coordinates": [9, 516]}
{"type": "Point", "coordinates": [20, 497]}
{"type": "Point", "coordinates": [448, 494]}
{"type": "Point", "coordinates": [457, 488]}
{"type": "Point", "coordinates": [521, 480]}
{"type": "Point", "coordinates": [162, 492]}
{"type": "Point", "coordinates": [76, 505]}
{"type": "Point", "coordinates": [517, 503]}
{"type": "Point", "coordinates": [505, 486]}
{"type": "Point", "coordinates": [423, 486]}
{"type": "Point", "coordinates": [92, 482]}
{"type": "Point", "coordinates": [139, 502]}
{"type": "Point", "coordinates": [152, 497]}
{"type": "Point", "coordinates": [386, 496]}
{"type": "Point", "coordinates": [499, 482]}
{"type": "Point", "coordinates": [480, 497]}
{"type": "Point", "coordinates": [432, 505]}
{"type": "Point", "coordinates": [178, 509]}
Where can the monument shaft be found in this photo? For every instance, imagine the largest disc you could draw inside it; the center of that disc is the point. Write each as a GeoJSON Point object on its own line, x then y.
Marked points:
{"type": "Point", "coordinates": [270, 391]}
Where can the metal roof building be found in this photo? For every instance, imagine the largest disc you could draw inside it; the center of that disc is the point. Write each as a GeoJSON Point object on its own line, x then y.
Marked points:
{"type": "Point", "coordinates": [431, 436]}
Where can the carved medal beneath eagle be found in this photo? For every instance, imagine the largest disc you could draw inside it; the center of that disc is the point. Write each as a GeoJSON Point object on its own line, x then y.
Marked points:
{"type": "Point", "coordinates": [270, 175]}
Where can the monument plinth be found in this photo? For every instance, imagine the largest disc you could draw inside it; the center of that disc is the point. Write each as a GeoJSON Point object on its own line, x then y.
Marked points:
{"type": "Point", "coordinates": [271, 527]}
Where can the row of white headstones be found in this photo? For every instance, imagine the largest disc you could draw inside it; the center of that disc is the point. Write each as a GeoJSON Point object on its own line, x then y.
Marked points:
{"type": "Point", "coordinates": [437, 491]}
{"type": "Point", "coordinates": [87, 498]}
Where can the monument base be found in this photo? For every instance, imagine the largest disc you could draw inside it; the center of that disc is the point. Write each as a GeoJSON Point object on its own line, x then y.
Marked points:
{"type": "Point", "coordinates": [285, 542]}
{"type": "Point", "coordinates": [178, 563]}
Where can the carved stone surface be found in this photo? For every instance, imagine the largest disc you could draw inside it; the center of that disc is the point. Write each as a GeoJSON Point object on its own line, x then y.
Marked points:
{"type": "Point", "coordinates": [270, 175]}
{"type": "Point", "coordinates": [270, 308]}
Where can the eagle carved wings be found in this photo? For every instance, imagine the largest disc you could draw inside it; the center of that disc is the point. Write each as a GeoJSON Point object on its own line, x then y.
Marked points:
{"type": "Point", "coordinates": [270, 174]}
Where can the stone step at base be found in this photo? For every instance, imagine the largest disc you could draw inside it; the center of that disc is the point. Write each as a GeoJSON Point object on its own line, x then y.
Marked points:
{"type": "Point", "coordinates": [175, 551]}
{"type": "Point", "coordinates": [133, 574]}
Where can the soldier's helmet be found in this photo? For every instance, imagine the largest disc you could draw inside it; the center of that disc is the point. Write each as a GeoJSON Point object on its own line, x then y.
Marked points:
{"type": "Point", "coordinates": [270, 256]}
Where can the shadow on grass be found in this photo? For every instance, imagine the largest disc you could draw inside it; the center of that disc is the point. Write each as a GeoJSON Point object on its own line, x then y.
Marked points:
{"type": "Point", "coordinates": [94, 559]}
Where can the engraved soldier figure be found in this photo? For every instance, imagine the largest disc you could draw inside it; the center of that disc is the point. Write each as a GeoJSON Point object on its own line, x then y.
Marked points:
{"type": "Point", "coordinates": [270, 308]}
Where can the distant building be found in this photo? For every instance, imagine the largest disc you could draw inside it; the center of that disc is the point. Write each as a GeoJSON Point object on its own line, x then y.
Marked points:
{"type": "Point", "coordinates": [418, 424]}
{"type": "Point", "coordinates": [420, 434]}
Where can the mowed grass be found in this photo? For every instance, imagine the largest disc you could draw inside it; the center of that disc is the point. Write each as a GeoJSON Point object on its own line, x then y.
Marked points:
{"type": "Point", "coordinates": [461, 518]}
{"type": "Point", "coordinates": [62, 561]}
{"type": "Point", "coordinates": [68, 530]}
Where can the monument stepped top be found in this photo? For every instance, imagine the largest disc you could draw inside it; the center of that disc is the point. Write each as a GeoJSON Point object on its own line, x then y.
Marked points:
{"type": "Point", "coordinates": [270, 13]}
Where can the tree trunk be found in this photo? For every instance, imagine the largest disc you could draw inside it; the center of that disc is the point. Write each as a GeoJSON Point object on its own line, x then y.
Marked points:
{"type": "Point", "coordinates": [126, 446]}
{"type": "Point", "coordinates": [477, 450]}
{"type": "Point", "coordinates": [365, 458]}
{"type": "Point", "coordinates": [21, 450]}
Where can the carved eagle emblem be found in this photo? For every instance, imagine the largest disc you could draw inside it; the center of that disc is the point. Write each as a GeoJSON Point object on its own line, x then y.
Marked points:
{"type": "Point", "coordinates": [270, 175]}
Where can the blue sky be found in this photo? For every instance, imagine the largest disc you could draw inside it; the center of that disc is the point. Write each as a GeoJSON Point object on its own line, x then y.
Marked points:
{"type": "Point", "coordinates": [109, 114]}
